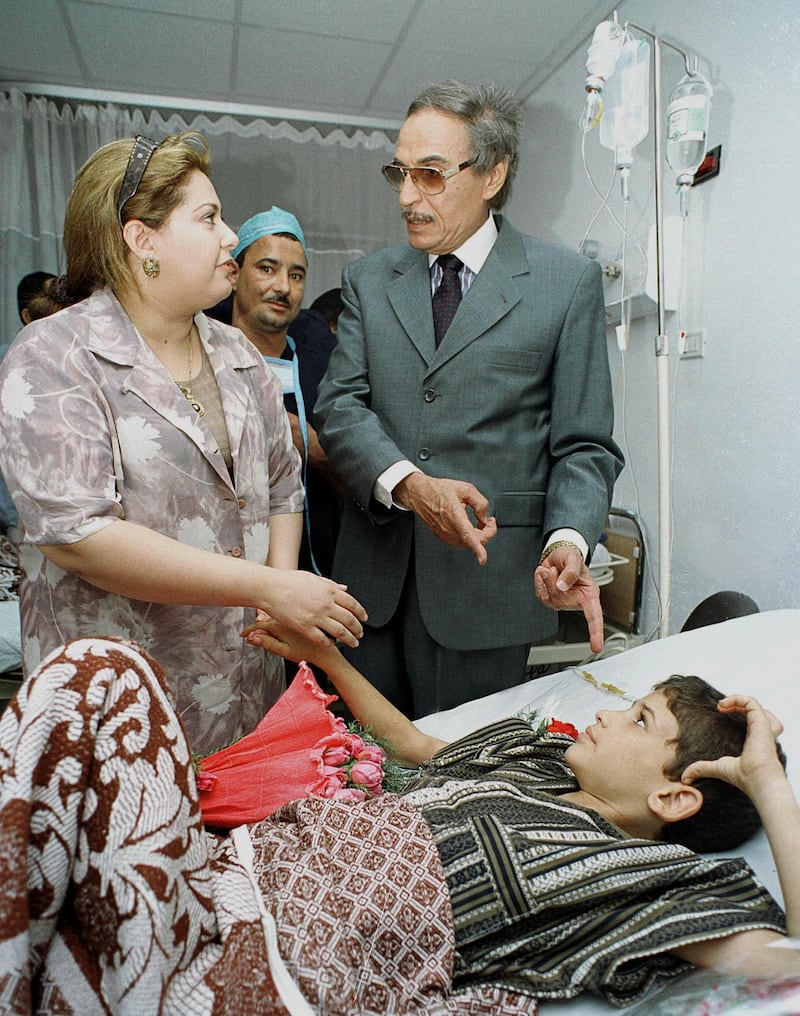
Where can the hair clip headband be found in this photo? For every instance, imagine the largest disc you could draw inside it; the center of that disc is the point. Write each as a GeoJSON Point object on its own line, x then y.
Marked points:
{"type": "Point", "coordinates": [141, 153]}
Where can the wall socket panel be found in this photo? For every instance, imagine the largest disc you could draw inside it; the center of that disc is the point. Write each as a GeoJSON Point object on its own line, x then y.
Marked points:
{"type": "Point", "coordinates": [693, 345]}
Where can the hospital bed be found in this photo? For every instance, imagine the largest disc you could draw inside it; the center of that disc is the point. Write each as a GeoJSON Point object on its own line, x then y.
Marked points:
{"type": "Point", "coordinates": [756, 654]}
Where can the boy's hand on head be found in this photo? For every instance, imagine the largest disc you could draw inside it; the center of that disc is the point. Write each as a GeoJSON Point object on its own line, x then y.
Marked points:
{"type": "Point", "coordinates": [759, 761]}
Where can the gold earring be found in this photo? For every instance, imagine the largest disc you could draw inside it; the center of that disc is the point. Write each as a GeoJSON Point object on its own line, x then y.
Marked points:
{"type": "Point", "coordinates": [151, 267]}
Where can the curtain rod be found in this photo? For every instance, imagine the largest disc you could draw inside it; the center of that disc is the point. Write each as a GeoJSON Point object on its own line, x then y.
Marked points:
{"type": "Point", "coordinates": [201, 106]}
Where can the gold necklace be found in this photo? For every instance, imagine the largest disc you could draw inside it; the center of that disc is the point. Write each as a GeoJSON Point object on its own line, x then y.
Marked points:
{"type": "Point", "coordinates": [185, 387]}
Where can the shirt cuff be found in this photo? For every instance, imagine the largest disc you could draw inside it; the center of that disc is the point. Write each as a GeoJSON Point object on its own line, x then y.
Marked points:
{"type": "Point", "coordinates": [569, 534]}
{"type": "Point", "coordinates": [388, 480]}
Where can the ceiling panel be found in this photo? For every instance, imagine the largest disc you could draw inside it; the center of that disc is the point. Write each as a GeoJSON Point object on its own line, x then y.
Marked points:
{"type": "Point", "coordinates": [150, 52]}
{"type": "Point", "coordinates": [503, 31]}
{"type": "Point", "coordinates": [375, 20]}
{"type": "Point", "coordinates": [33, 41]}
{"type": "Point", "coordinates": [215, 10]}
{"type": "Point", "coordinates": [282, 66]}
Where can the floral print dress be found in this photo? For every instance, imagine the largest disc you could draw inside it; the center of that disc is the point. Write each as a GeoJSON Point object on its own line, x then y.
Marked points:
{"type": "Point", "coordinates": [93, 430]}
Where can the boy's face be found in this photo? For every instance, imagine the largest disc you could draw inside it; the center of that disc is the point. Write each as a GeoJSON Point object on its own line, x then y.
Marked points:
{"type": "Point", "coordinates": [620, 759]}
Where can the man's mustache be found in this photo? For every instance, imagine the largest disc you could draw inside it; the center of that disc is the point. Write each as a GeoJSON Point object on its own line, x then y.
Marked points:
{"type": "Point", "coordinates": [411, 216]}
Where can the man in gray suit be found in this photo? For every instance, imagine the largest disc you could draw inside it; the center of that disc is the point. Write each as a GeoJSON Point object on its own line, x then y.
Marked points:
{"type": "Point", "coordinates": [467, 408]}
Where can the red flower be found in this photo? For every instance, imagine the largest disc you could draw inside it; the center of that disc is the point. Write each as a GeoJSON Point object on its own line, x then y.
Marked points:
{"type": "Point", "coordinates": [560, 727]}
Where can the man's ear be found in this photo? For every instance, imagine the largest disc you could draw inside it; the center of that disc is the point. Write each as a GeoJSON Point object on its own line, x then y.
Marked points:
{"type": "Point", "coordinates": [675, 801]}
{"type": "Point", "coordinates": [495, 179]}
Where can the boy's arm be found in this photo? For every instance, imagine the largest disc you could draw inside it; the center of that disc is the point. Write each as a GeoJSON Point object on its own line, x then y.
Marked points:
{"type": "Point", "coordinates": [365, 702]}
{"type": "Point", "coordinates": [758, 773]}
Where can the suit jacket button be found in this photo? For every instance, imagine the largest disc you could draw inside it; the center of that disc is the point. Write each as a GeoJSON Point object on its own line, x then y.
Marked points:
{"type": "Point", "coordinates": [429, 395]}
{"type": "Point", "coordinates": [423, 454]}
{"type": "Point", "coordinates": [236, 552]}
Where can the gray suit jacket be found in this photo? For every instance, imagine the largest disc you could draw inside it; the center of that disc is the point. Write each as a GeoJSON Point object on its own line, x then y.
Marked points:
{"type": "Point", "coordinates": [517, 400]}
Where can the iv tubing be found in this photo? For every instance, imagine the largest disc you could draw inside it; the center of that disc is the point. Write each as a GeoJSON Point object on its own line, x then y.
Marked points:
{"type": "Point", "coordinates": [662, 372]}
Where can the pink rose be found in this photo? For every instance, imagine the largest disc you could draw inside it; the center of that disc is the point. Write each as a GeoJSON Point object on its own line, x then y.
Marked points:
{"type": "Point", "coordinates": [332, 782]}
{"type": "Point", "coordinates": [336, 755]}
{"type": "Point", "coordinates": [356, 745]}
{"type": "Point", "coordinates": [367, 774]}
{"type": "Point", "coordinates": [334, 772]}
{"type": "Point", "coordinates": [372, 753]}
{"type": "Point", "coordinates": [205, 781]}
{"type": "Point", "coordinates": [333, 750]}
{"type": "Point", "coordinates": [340, 725]}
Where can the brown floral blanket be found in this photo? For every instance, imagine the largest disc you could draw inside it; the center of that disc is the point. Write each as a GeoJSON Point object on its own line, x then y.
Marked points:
{"type": "Point", "coordinates": [115, 899]}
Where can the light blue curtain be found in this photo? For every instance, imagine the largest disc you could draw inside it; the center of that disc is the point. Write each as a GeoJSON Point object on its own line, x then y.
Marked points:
{"type": "Point", "coordinates": [329, 178]}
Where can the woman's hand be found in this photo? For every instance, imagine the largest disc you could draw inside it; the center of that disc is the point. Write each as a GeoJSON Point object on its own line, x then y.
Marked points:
{"type": "Point", "coordinates": [319, 608]}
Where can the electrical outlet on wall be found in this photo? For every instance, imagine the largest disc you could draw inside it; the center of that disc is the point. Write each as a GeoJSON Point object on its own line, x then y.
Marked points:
{"type": "Point", "coordinates": [693, 344]}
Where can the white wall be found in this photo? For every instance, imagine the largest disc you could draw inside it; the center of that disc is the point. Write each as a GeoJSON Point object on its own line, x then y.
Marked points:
{"type": "Point", "coordinates": [736, 440]}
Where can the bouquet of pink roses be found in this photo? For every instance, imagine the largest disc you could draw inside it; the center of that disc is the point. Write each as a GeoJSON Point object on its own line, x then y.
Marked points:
{"type": "Point", "coordinates": [353, 764]}
{"type": "Point", "coordinates": [300, 749]}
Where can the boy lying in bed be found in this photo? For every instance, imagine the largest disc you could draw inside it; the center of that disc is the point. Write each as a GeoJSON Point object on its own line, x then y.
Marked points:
{"type": "Point", "coordinates": [684, 765]}
{"type": "Point", "coordinates": [549, 860]}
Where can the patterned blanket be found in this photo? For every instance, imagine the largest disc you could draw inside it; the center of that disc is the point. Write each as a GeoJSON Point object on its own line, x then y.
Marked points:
{"type": "Point", "coordinates": [114, 898]}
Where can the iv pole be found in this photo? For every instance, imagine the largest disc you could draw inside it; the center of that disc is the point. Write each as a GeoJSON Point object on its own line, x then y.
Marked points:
{"type": "Point", "coordinates": [661, 343]}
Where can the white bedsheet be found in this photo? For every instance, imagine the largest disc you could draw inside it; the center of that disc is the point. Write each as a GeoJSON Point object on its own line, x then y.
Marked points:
{"type": "Point", "coordinates": [756, 654]}
{"type": "Point", "coordinates": [10, 640]}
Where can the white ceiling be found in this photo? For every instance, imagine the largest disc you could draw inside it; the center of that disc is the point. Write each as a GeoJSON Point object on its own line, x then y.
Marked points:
{"type": "Point", "coordinates": [353, 58]}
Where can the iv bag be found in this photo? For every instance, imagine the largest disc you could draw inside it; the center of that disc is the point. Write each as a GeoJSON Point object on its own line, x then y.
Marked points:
{"type": "Point", "coordinates": [627, 102]}
{"type": "Point", "coordinates": [602, 55]}
{"type": "Point", "coordinates": [600, 62]}
{"type": "Point", "coordinates": [687, 124]}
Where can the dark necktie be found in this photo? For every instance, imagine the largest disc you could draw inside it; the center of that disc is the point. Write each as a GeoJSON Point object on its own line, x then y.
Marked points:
{"type": "Point", "coordinates": [447, 296]}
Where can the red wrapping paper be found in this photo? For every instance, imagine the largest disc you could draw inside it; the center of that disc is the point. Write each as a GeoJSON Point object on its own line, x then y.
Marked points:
{"type": "Point", "coordinates": [274, 764]}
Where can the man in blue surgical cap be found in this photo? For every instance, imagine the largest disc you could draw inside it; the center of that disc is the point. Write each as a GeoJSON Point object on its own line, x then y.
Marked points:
{"type": "Point", "coordinates": [273, 262]}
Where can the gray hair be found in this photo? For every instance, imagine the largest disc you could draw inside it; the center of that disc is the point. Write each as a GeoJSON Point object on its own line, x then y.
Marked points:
{"type": "Point", "coordinates": [493, 118]}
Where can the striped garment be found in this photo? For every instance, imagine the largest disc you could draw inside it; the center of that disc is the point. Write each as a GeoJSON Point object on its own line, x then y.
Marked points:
{"type": "Point", "coordinates": [550, 898]}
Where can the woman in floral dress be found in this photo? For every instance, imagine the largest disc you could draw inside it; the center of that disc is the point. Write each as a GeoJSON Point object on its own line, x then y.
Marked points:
{"type": "Point", "coordinates": [148, 453]}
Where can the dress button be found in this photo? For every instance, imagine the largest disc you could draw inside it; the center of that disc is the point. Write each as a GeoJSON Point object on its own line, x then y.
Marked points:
{"type": "Point", "coordinates": [423, 454]}
{"type": "Point", "coordinates": [236, 552]}
{"type": "Point", "coordinates": [429, 395]}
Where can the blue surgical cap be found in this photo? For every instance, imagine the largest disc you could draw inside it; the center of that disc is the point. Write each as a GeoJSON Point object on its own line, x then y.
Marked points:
{"type": "Point", "coordinates": [276, 220]}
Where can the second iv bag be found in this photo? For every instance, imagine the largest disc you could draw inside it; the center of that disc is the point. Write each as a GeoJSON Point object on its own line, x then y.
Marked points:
{"type": "Point", "coordinates": [687, 128]}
